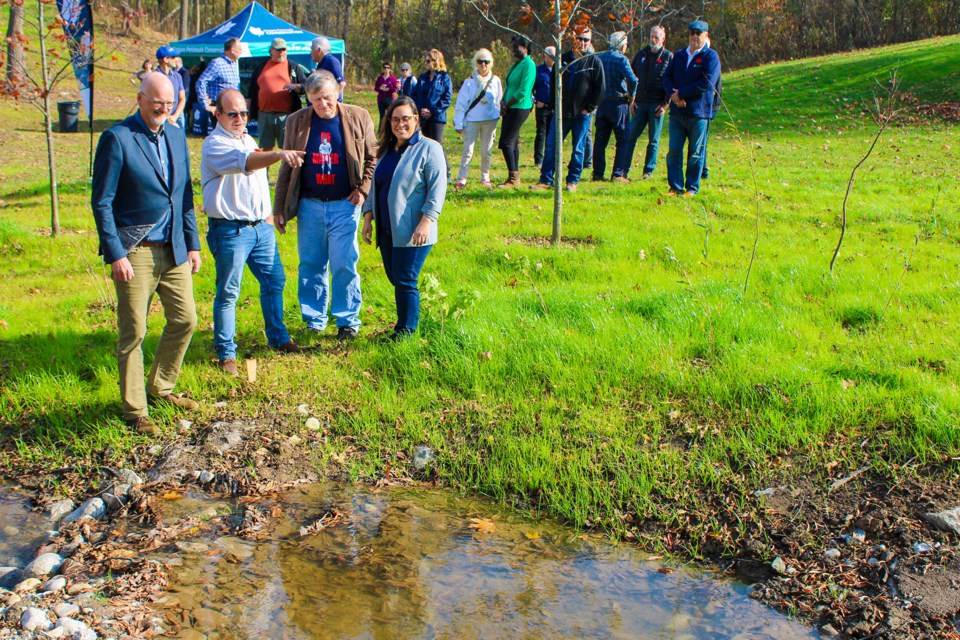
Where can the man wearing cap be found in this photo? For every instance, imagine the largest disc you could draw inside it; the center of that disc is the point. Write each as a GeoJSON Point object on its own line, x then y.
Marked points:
{"type": "Point", "coordinates": [613, 115]}
{"type": "Point", "coordinates": [275, 89]}
{"type": "Point", "coordinates": [651, 102]}
{"type": "Point", "coordinates": [407, 80]}
{"type": "Point", "coordinates": [166, 59]}
{"type": "Point", "coordinates": [692, 81]}
{"type": "Point", "coordinates": [236, 198]}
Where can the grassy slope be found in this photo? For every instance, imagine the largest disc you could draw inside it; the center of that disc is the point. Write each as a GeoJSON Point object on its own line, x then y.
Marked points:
{"type": "Point", "coordinates": [646, 379]}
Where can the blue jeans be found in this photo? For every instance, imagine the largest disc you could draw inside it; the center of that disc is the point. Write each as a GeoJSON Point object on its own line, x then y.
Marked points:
{"type": "Point", "coordinates": [613, 116]}
{"type": "Point", "coordinates": [684, 130]}
{"type": "Point", "coordinates": [580, 126]}
{"type": "Point", "coordinates": [645, 116]}
{"type": "Point", "coordinates": [327, 234]}
{"type": "Point", "coordinates": [403, 265]}
{"type": "Point", "coordinates": [234, 245]}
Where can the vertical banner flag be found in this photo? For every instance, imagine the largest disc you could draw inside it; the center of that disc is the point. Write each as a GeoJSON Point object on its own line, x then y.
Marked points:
{"type": "Point", "coordinates": [77, 18]}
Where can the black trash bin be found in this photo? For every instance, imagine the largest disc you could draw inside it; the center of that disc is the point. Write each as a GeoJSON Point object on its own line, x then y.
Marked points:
{"type": "Point", "coordinates": [69, 116]}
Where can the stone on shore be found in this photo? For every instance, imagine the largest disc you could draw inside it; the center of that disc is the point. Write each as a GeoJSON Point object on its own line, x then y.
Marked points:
{"type": "Point", "coordinates": [43, 565]}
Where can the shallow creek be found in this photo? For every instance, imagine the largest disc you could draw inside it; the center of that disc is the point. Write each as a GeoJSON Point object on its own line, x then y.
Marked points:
{"type": "Point", "coordinates": [401, 563]}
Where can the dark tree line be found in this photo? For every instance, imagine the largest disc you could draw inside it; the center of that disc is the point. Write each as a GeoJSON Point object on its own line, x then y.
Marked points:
{"type": "Point", "coordinates": [747, 32]}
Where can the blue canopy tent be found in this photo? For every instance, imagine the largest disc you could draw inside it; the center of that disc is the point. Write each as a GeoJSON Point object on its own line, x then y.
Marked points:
{"type": "Point", "coordinates": [256, 28]}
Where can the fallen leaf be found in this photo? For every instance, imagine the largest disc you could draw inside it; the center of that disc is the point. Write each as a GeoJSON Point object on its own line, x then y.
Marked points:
{"type": "Point", "coordinates": [512, 282]}
{"type": "Point", "coordinates": [485, 355]}
{"type": "Point", "coordinates": [666, 570]}
{"type": "Point", "coordinates": [482, 525]}
{"type": "Point", "coordinates": [171, 495]}
{"type": "Point", "coordinates": [848, 383]}
{"type": "Point", "coordinates": [532, 535]}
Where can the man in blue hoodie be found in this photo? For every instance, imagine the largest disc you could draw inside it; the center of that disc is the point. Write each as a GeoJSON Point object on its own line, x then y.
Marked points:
{"type": "Point", "coordinates": [692, 81]}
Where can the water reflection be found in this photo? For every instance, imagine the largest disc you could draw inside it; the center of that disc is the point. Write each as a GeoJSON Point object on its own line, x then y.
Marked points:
{"type": "Point", "coordinates": [408, 565]}
{"type": "Point", "coordinates": [21, 530]}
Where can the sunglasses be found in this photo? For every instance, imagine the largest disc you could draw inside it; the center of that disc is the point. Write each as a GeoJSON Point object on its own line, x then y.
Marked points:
{"type": "Point", "coordinates": [484, 61]}
{"type": "Point", "coordinates": [235, 114]}
{"type": "Point", "coordinates": [583, 38]}
{"type": "Point", "coordinates": [694, 32]}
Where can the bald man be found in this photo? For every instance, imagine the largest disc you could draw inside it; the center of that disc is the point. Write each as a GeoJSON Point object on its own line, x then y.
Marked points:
{"type": "Point", "coordinates": [143, 205]}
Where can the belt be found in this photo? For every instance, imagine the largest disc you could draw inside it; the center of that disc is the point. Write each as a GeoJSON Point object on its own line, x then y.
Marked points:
{"type": "Point", "coordinates": [146, 243]}
{"type": "Point", "coordinates": [239, 223]}
{"type": "Point", "coordinates": [326, 199]}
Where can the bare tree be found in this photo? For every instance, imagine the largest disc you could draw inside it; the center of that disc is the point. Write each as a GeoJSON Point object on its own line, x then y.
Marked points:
{"type": "Point", "coordinates": [184, 18]}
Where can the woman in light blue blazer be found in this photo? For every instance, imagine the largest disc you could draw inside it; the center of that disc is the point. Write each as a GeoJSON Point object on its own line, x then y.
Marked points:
{"type": "Point", "coordinates": [406, 196]}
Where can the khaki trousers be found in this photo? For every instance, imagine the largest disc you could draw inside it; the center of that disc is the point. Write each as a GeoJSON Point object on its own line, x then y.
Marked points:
{"type": "Point", "coordinates": [153, 272]}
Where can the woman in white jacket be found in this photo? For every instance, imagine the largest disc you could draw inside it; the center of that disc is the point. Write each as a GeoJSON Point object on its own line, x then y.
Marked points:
{"type": "Point", "coordinates": [476, 115]}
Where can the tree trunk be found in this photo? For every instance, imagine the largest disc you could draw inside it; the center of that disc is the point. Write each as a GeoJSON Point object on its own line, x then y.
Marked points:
{"type": "Point", "coordinates": [227, 13]}
{"type": "Point", "coordinates": [294, 11]}
{"type": "Point", "coordinates": [48, 126]}
{"type": "Point", "coordinates": [15, 55]}
{"type": "Point", "coordinates": [385, 27]}
{"type": "Point", "coordinates": [347, 9]}
{"type": "Point", "coordinates": [184, 18]}
{"type": "Point", "coordinates": [197, 15]}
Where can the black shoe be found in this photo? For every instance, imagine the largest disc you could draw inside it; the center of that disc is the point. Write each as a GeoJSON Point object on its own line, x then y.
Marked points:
{"type": "Point", "coordinates": [346, 334]}
{"type": "Point", "coordinates": [597, 178]}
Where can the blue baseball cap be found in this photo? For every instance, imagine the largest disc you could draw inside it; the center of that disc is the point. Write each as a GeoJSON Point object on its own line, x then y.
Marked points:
{"type": "Point", "coordinates": [699, 25]}
{"type": "Point", "coordinates": [167, 52]}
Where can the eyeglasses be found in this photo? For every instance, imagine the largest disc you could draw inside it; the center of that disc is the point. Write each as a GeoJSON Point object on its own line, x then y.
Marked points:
{"type": "Point", "coordinates": [401, 119]}
{"type": "Point", "coordinates": [162, 103]}
{"type": "Point", "coordinates": [484, 61]}
{"type": "Point", "coordinates": [428, 60]}
{"type": "Point", "coordinates": [584, 38]}
{"type": "Point", "coordinates": [694, 32]}
{"type": "Point", "coordinates": [235, 114]}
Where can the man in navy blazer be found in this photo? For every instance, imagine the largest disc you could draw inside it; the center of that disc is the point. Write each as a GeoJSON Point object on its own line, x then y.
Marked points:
{"type": "Point", "coordinates": [142, 201]}
{"type": "Point", "coordinates": [692, 81]}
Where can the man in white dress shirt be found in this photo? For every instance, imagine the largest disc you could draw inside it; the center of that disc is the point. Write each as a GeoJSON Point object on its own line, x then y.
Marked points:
{"type": "Point", "coordinates": [236, 198]}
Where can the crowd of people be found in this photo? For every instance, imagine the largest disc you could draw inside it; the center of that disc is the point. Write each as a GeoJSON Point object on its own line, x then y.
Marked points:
{"type": "Point", "coordinates": [337, 168]}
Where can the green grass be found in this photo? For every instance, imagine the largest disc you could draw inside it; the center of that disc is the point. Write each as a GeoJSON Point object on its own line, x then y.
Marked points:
{"type": "Point", "coordinates": [645, 381]}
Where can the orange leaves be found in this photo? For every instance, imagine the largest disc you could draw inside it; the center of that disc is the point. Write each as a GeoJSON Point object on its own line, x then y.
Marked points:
{"type": "Point", "coordinates": [526, 16]}
{"type": "Point", "coordinates": [482, 525]}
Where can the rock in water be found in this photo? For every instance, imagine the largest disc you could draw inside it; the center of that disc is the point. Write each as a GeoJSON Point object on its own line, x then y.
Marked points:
{"type": "Point", "coordinates": [43, 565]}
{"type": "Point", "coordinates": [94, 508]}
{"type": "Point", "coordinates": [34, 619]}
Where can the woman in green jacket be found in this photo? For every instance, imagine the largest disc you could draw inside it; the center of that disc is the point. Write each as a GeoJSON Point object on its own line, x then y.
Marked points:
{"type": "Point", "coordinates": [516, 106]}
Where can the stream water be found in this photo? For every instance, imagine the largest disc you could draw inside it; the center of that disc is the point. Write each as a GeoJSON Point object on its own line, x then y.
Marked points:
{"type": "Point", "coordinates": [422, 564]}
{"type": "Point", "coordinates": [21, 530]}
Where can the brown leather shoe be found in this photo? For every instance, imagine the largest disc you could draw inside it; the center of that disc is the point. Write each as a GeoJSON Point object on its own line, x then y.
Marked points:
{"type": "Point", "coordinates": [674, 192]}
{"type": "Point", "coordinates": [512, 181]}
{"type": "Point", "coordinates": [229, 366]}
{"type": "Point", "coordinates": [143, 425]}
{"type": "Point", "coordinates": [289, 347]}
{"type": "Point", "coordinates": [690, 194]}
{"type": "Point", "coordinates": [571, 187]}
{"type": "Point", "coordinates": [179, 400]}
{"type": "Point", "coordinates": [621, 179]}
{"type": "Point", "coordinates": [541, 186]}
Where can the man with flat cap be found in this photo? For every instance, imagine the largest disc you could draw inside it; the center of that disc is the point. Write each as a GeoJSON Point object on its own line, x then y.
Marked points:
{"type": "Point", "coordinates": [275, 90]}
{"type": "Point", "coordinates": [142, 202]}
{"type": "Point", "coordinates": [692, 81]}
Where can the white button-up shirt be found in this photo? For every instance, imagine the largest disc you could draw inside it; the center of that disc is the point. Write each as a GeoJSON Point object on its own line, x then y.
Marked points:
{"type": "Point", "coordinates": [229, 190]}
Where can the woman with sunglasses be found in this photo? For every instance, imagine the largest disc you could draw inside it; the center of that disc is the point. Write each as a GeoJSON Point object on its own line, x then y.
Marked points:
{"type": "Point", "coordinates": [386, 86]}
{"type": "Point", "coordinates": [433, 94]}
{"type": "Point", "coordinates": [476, 115]}
{"type": "Point", "coordinates": [406, 196]}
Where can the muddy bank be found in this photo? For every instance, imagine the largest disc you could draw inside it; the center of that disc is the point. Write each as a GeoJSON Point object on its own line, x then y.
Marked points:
{"type": "Point", "coordinates": [854, 555]}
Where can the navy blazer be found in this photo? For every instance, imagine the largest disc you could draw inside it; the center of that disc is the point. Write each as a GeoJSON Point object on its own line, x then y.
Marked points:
{"type": "Point", "coordinates": [434, 95]}
{"type": "Point", "coordinates": [129, 195]}
{"type": "Point", "coordinates": [697, 83]}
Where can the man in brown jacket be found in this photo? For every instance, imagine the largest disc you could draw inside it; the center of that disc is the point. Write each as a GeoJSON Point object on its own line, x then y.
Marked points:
{"type": "Point", "coordinates": [327, 192]}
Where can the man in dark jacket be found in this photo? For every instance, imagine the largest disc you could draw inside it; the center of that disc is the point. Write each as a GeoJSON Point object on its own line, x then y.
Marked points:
{"type": "Point", "coordinates": [692, 81]}
{"type": "Point", "coordinates": [143, 206]}
{"type": "Point", "coordinates": [275, 89]}
{"type": "Point", "coordinates": [651, 101]}
{"type": "Point", "coordinates": [543, 99]}
{"type": "Point", "coordinates": [582, 77]}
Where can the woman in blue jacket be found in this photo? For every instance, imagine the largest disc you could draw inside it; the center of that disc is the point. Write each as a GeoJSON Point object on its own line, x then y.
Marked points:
{"type": "Point", "coordinates": [406, 196]}
{"type": "Point", "coordinates": [433, 95]}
